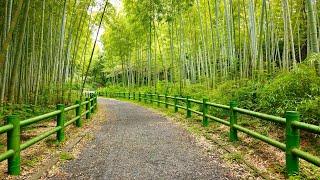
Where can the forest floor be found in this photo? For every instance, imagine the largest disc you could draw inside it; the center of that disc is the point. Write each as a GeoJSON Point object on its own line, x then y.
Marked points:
{"type": "Point", "coordinates": [138, 143]}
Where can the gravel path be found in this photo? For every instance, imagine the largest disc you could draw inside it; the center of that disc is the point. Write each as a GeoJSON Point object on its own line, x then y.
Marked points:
{"type": "Point", "coordinates": [136, 143]}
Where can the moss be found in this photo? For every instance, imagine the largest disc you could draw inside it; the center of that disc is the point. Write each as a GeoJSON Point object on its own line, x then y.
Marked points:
{"type": "Point", "coordinates": [66, 156]}
{"type": "Point", "coordinates": [234, 156]}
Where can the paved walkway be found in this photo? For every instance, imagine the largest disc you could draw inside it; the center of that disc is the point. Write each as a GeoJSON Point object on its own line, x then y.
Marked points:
{"type": "Point", "coordinates": [136, 143]}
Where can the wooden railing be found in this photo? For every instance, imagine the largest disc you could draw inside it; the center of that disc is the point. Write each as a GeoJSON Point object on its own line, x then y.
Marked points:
{"type": "Point", "coordinates": [14, 125]}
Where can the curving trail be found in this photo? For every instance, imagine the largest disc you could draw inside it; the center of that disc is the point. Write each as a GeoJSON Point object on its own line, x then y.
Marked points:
{"type": "Point", "coordinates": [136, 143]}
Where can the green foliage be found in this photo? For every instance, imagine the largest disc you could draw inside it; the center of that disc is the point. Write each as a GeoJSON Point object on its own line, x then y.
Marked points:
{"type": "Point", "coordinates": [310, 110]}
{"type": "Point", "coordinates": [24, 111]}
{"type": "Point", "coordinates": [298, 90]}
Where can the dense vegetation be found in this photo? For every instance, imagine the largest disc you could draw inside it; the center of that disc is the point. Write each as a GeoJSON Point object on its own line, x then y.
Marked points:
{"type": "Point", "coordinates": [266, 96]}
{"type": "Point", "coordinates": [46, 48]}
{"type": "Point", "coordinates": [263, 53]}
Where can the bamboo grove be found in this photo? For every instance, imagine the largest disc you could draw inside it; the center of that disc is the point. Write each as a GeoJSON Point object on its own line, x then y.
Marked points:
{"type": "Point", "coordinates": [44, 48]}
{"type": "Point", "coordinates": [207, 41]}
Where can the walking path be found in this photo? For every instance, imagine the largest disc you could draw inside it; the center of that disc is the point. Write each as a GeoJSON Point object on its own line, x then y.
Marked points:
{"type": "Point", "coordinates": [136, 143]}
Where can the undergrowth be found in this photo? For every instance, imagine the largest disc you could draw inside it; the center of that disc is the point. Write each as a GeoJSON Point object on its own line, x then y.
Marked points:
{"type": "Point", "coordinates": [297, 90]}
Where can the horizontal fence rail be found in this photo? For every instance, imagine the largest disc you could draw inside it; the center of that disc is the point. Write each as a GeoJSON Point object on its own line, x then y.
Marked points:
{"type": "Point", "coordinates": [292, 123]}
{"type": "Point", "coordinates": [14, 125]}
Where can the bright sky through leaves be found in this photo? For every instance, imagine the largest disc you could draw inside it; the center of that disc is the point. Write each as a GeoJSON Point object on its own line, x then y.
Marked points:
{"type": "Point", "coordinates": [99, 5]}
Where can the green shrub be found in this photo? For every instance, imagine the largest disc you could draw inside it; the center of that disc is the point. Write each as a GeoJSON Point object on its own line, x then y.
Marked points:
{"type": "Point", "coordinates": [309, 109]}
{"type": "Point", "coordinates": [291, 91]}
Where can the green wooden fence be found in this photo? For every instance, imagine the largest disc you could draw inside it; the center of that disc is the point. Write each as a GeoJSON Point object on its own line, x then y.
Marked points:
{"type": "Point", "coordinates": [14, 127]}
{"type": "Point", "coordinates": [291, 146]}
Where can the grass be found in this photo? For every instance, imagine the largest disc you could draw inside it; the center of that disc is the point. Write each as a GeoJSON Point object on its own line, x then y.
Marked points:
{"type": "Point", "coordinates": [23, 111]}
{"type": "Point", "coordinates": [52, 142]}
{"type": "Point", "coordinates": [234, 156]}
{"type": "Point", "coordinates": [66, 156]}
{"type": "Point", "coordinates": [32, 161]}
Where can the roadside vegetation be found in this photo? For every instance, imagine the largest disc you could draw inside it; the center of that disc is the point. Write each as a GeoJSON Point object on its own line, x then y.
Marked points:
{"type": "Point", "coordinates": [297, 90]}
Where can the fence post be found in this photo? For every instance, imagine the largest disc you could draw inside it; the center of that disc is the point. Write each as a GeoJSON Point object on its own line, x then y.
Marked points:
{"type": "Point", "coordinates": [139, 96]}
{"type": "Point", "coordinates": [60, 123]}
{"type": "Point", "coordinates": [233, 136]}
{"type": "Point", "coordinates": [128, 95]}
{"type": "Point", "coordinates": [188, 107]}
{"type": "Point", "coordinates": [78, 114]}
{"type": "Point", "coordinates": [175, 103]}
{"type": "Point", "coordinates": [145, 97]}
{"type": "Point", "coordinates": [151, 98]}
{"type": "Point", "coordinates": [205, 121]}
{"type": "Point", "coordinates": [158, 99]}
{"type": "Point", "coordinates": [166, 100]}
{"type": "Point", "coordinates": [92, 104]}
{"type": "Point", "coordinates": [88, 114]}
{"type": "Point", "coordinates": [134, 96]}
{"type": "Point", "coordinates": [96, 103]}
{"type": "Point", "coordinates": [13, 143]}
{"type": "Point", "coordinates": [292, 141]}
